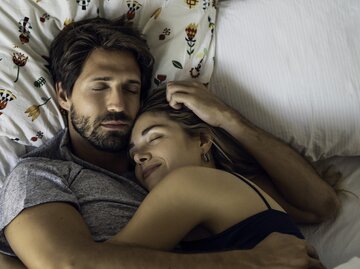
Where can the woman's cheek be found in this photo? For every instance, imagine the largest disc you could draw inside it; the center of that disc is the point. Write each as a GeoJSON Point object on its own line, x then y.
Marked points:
{"type": "Point", "coordinates": [138, 174]}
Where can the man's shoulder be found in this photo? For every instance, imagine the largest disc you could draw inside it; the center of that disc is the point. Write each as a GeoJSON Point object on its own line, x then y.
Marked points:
{"type": "Point", "coordinates": [54, 148]}
{"type": "Point", "coordinates": [42, 167]}
{"type": "Point", "coordinates": [52, 156]}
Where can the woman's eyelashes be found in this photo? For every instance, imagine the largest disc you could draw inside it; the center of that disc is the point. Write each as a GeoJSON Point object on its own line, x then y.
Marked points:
{"type": "Point", "coordinates": [151, 140]}
{"type": "Point", "coordinates": [155, 138]}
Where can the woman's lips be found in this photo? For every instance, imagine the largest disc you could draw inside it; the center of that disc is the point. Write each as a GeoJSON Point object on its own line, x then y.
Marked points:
{"type": "Point", "coordinates": [148, 170]}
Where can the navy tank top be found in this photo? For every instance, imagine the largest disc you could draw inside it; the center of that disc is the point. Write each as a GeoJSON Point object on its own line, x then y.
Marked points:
{"type": "Point", "coordinates": [247, 233]}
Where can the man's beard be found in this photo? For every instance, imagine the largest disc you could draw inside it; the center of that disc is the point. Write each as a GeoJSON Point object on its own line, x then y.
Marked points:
{"type": "Point", "coordinates": [111, 141]}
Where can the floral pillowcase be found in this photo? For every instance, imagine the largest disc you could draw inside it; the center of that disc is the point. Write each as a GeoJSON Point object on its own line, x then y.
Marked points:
{"type": "Point", "coordinates": [180, 34]}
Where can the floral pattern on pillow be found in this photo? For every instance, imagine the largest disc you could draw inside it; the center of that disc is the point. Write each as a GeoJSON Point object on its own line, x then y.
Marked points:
{"type": "Point", "coordinates": [180, 34]}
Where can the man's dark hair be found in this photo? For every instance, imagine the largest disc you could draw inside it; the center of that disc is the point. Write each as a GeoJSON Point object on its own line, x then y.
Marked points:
{"type": "Point", "coordinates": [70, 49]}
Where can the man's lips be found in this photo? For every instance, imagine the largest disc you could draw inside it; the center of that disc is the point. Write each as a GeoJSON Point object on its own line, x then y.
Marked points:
{"type": "Point", "coordinates": [148, 170]}
{"type": "Point", "coordinates": [114, 124]}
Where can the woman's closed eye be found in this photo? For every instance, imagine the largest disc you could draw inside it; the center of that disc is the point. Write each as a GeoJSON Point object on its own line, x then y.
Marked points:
{"type": "Point", "coordinates": [154, 138]}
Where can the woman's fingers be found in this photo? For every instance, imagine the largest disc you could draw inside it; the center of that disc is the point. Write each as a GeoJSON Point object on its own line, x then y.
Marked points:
{"type": "Point", "coordinates": [311, 251]}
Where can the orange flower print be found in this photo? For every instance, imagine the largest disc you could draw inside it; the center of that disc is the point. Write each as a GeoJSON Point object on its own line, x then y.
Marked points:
{"type": "Point", "coordinates": [24, 29]}
{"type": "Point", "coordinates": [166, 32]}
{"type": "Point", "coordinates": [160, 78]}
{"type": "Point", "coordinates": [20, 60]}
{"type": "Point", "coordinates": [39, 135]}
{"type": "Point", "coordinates": [133, 7]}
{"type": "Point", "coordinates": [195, 71]}
{"type": "Point", "coordinates": [5, 97]}
{"type": "Point", "coordinates": [44, 17]}
{"type": "Point", "coordinates": [34, 110]}
{"type": "Point", "coordinates": [192, 3]}
{"type": "Point", "coordinates": [191, 31]}
{"type": "Point", "coordinates": [83, 3]}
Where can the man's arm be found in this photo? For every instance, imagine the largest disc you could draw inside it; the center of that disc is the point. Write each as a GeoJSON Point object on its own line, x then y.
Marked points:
{"type": "Point", "coordinates": [8, 262]}
{"type": "Point", "coordinates": [294, 182]}
{"type": "Point", "coordinates": [53, 235]}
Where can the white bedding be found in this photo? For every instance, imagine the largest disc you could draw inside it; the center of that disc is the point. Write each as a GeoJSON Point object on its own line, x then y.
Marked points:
{"type": "Point", "coordinates": [338, 241]}
{"type": "Point", "coordinates": [290, 66]}
{"type": "Point", "coordinates": [179, 35]}
{"type": "Point", "coordinates": [293, 68]}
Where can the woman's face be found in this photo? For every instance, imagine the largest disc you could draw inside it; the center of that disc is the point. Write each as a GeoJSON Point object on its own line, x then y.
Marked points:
{"type": "Point", "coordinates": [159, 145]}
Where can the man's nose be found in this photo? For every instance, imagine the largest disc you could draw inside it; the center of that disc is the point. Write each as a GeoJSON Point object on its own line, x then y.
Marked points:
{"type": "Point", "coordinates": [116, 101]}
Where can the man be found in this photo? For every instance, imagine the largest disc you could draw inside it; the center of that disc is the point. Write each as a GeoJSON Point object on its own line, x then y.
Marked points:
{"type": "Point", "coordinates": [63, 201]}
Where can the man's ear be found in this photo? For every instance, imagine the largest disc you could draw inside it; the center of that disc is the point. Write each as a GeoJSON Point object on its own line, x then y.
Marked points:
{"type": "Point", "coordinates": [62, 97]}
{"type": "Point", "coordinates": [205, 142]}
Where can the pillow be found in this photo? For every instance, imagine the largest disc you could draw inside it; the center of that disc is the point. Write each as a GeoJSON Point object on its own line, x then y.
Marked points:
{"type": "Point", "coordinates": [9, 152]}
{"type": "Point", "coordinates": [293, 68]}
{"type": "Point", "coordinates": [179, 34]}
{"type": "Point", "coordinates": [338, 240]}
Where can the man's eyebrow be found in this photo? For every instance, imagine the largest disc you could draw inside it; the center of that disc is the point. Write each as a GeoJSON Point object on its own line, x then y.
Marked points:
{"type": "Point", "coordinates": [145, 131]}
{"type": "Point", "coordinates": [101, 79]}
{"type": "Point", "coordinates": [129, 81]}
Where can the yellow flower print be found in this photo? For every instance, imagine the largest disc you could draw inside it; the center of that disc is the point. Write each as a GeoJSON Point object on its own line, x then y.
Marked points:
{"type": "Point", "coordinates": [68, 21]}
{"type": "Point", "coordinates": [156, 13]}
{"type": "Point", "coordinates": [34, 110]}
{"type": "Point", "coordinates": [191, 31]}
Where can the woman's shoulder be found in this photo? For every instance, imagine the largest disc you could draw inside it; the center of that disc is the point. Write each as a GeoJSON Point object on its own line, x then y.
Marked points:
{"type": "Point", "coordinates": [202, 181]}
{"type": "Point", "coordinates": [200, 174]}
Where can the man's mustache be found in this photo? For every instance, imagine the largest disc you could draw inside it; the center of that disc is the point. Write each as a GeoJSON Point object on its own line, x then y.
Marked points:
{"type": "Point", "coordinates": [116, 116]}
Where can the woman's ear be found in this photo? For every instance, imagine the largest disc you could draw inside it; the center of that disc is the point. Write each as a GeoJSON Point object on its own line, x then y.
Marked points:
{"type": "Point", "coordinates": [62, 97]}
{"type": "Point", "coordinates": [205, 142]}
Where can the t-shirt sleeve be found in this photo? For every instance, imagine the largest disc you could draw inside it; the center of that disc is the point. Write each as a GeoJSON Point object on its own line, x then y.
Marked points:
{"type": "Point", "coordinates": [32, 183]}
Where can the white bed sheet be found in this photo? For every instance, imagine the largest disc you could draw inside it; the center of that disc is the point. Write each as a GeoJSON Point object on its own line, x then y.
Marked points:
{"type": "Point", "coordinates": [338, 241]}
{"type": "Point", "coordinates": [353, 263]}
{"type": "Point", "coordinates": [293, 68]}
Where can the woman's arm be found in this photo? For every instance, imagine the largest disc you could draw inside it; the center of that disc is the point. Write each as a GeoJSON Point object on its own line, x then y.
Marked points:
{"type": "Point", "coordinates": [54, 236]}
{"type": "Point", "coordinates": [306, 196]}
{"type": "Point", "coordinates": [170, 211]}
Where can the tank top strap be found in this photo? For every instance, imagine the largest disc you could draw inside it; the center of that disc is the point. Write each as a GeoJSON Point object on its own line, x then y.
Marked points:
{"type": "Point", "coordinates": [247, 181]}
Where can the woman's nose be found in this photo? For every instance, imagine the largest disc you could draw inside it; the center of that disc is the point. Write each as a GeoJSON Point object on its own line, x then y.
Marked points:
{"type": "Point", "coordinates": [141, 157]}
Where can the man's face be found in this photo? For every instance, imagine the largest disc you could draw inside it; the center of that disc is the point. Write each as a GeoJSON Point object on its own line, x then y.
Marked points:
{"type": "Point", "coordinates": [105, 99]}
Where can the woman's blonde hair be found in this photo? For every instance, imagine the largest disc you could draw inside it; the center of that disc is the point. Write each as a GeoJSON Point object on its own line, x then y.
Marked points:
{"type": "Point", "coordinates": [227, 153]}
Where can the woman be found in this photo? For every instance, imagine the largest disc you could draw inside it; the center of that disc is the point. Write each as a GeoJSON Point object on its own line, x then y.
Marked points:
{"type": "Point", "coordinates": [199, 182]}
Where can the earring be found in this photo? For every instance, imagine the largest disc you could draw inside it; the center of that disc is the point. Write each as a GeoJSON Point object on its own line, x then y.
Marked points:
{"type": "Point", "coordinates": [205, 157]}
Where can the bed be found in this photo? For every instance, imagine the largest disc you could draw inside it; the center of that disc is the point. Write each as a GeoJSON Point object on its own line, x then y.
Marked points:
{"type": "Point", "coordinates": [291, 67]}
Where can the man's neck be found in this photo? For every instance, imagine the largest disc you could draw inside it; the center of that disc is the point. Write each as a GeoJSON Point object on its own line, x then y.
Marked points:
{"type": "Point", "coordinates": [115, 162]}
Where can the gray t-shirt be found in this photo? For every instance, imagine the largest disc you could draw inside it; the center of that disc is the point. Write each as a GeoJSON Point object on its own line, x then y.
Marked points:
{"type": "Point", "coordinates": [52, 173]}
